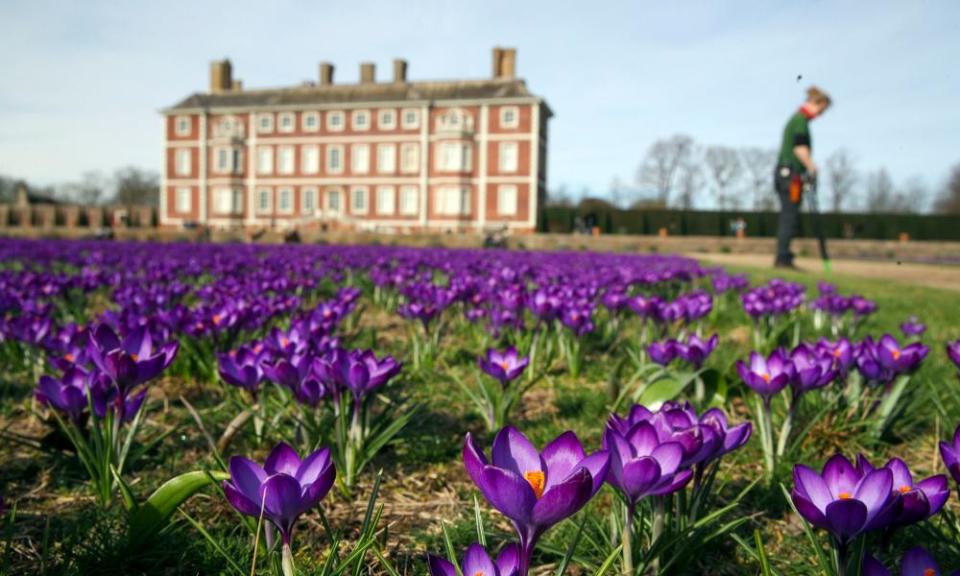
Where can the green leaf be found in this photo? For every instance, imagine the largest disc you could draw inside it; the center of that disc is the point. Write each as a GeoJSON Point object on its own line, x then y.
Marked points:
{"type": "Point", "coordinates": [151, 516]}
{"type": "Point", "coordinates": [128, 500]}
{"type": "Point", "coordinates": [608, 563]}
{"type": "Point", "coordinates": [654, 395]}
{"type": "Point", "coordinates": [481, 535]}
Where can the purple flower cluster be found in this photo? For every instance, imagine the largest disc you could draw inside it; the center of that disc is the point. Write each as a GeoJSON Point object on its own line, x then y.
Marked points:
{"type": "Point", "coordinates": [694, 350]}
{"type": "Point", "coordinates": [686, 308]}
{"type": "Point", "coordinates": [108, 374]}
{"type": "Point", "coordinates": [915, 562]}
{"type": "Point", "coordinates": [848, 500]}
{"type": "Point", "coordinates": [831, 302]}
{"type": "Point", "coordinates": [504, 366]}
{"type": "Point", "coordinates": [883, 360]}
{"type": "Point", "coordinates": [807, 367]}
{"type": "Point", "coordinates": [775, 298]}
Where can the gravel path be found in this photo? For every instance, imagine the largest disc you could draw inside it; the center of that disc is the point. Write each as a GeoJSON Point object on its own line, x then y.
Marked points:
{"type": "Point", "coordinates": [942, 277]}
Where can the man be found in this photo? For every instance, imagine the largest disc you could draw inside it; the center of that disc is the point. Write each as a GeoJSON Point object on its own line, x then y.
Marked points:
{"type": "Point", "coordinates": [794, 164]}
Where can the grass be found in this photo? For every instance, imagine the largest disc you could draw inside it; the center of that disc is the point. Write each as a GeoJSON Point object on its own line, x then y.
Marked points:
{"type": "Point", "coordinates": [59, 530]}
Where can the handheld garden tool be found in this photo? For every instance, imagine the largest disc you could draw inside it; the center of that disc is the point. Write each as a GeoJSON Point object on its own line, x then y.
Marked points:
{"type": "Point", "coordinates": [810, 191]}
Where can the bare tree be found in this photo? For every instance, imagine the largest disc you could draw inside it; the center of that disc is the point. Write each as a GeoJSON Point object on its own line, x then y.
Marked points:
{"type": "Point", "coordinates": [842, 176]}
{"type": "Point", "coordinates": [912, 197]}
{"type": "Point", "coordinates": [89, 191]}
{"type": "Point", "coordinates": [758, 164]}
{"type": "Point", "coordinates": [559, 197]}
{"type": "Point", "coordinates": [949, 200]}
{"type": "Point", "coordinates": [136, 186]}
{"type": "Point", "coordinates": [723, 165]}
{"type": "Point", "coordinates": [691, 180]}
{"type": "Point", "coordinates": [662, 163]}
{"type": "Point", "coordinates": [881, 194]}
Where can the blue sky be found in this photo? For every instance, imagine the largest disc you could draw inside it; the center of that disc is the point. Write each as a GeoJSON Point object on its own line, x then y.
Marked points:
{"type": "Point", "coordinates": [82, 82]}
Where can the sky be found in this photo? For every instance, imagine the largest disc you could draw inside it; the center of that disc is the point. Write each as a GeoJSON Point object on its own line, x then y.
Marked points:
{"type": "Point", "coordinates": [82, 83]}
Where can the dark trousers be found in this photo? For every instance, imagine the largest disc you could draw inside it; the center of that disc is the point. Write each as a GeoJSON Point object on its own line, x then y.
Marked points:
{"type": "Point", "coordinates": [788, 225]}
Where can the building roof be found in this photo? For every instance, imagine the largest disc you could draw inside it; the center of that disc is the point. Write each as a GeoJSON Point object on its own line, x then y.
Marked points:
{"type": "Point", "coordinates": [309, 94]}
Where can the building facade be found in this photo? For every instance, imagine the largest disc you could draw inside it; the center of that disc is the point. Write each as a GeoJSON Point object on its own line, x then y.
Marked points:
{"type": "Point", "coordinates": [466, 155]}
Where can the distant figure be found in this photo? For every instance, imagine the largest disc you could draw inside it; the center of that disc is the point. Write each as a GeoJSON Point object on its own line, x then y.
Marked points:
{"type": "Point", "coordinates": [794, 164]}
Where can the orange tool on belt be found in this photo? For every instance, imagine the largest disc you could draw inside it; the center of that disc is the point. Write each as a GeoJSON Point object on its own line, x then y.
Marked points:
{"type": "Point", "coordinates": [796, 189]}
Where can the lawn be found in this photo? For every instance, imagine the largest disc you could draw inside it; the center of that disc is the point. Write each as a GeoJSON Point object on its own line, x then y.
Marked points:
{"type": "Point", "coordinates": [402, 489]}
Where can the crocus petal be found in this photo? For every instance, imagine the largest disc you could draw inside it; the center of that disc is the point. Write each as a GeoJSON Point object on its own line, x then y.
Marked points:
{"type": "Point", "coordinates": [282, 460]}
{"type": "Point", "coordinates": [512, 451]}
{"type": "Point", "coordinates": [563, 500]}
{"type": "Point", "coordinates": [916, 561]}
{"type": "Point", "coordinates": [508, 562]}
{"type": "Point", "coordinates": [640, 476]}
{"type": "Point", "coordinates": [874, 490]}
{"type": "Point", "coordinates": [473, 460]}
{"type": "Point", "coordinates": [873, 567]}
{"type": "Point", "coordinates": [846, 518]}
{"type": "Point", "coordinates": [247, 476]}
{"type": "Point", "coordinates": [561, 456]}
{"type": "Point", "coordinates": [508, 492]}
{"type": "Point", "coordinates": [598, 464]}
{"type": "Point", "coordinates": [812, 486]}
{"type": "Point", "coordinates": [808, 510]}
{"type": "Point", "coordinates": [477, 561]}
{"type": "Point", "coordinates": [282, 502]}
{"type": "Point", "coordinates": [936, 490]}
{"type": "Point", "coordinates": [440, 566]}
{"type": "Point", "coordinates": [840, 475]}
{"type": "Point", "coordinates": [668, 455]}
{"type": "Point", "coordinates": [240, 501]}
{"type": "Point", "coordinates": [312, 466]}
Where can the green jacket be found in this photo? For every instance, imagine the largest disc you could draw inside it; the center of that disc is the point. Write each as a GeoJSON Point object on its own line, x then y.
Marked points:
{"type": "Point", "coordinates": [795, 133]}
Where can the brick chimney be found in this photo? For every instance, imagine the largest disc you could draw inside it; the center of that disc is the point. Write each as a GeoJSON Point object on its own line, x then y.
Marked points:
{"type": "Point", "coordinates": [399, 70]}
{"type": "Point", "coordinates": [368, 74]}
{"type": "Point", "coordinates": [504, 63]}
{"type": "Point", "coordinates": [221, 76]}
{"type": "Point", "coordinates": [326, 74]}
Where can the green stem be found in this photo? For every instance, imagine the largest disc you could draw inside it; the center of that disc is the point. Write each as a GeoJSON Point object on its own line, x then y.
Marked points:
{"type": "Point", "coordinates": [286, 562]}
{"type": "Point", "coordinates": [657, 530]}
{"type": "Point", "coordinates": [787, 426]}
{"type": "Point", "coordinates": [628, 541]}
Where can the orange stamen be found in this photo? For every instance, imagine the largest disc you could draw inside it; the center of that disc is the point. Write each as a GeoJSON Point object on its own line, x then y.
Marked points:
{"type": "Point", "coordinates": [69, 357]}
{"type": "Point", "coordinates": [134, 357]}
{"type": "Point", "coordinates": [766, 378]}
{"type": "Point", "coordinates": [904, 489]}
{"type": "Point", "coordinates": [929, 572]}
{"type": "Point", "coordinates": [845, 496]}
{"type": "Point", "coordinates": [895, 353]}
{"type": "Point", "coordinates": [536, 480]}
{"type": "Point", "coordinates": [216, 319]}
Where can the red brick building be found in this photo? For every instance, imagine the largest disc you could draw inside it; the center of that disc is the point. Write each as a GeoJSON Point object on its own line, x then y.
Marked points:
{"type": "Point", "coordinates": [386, 155]}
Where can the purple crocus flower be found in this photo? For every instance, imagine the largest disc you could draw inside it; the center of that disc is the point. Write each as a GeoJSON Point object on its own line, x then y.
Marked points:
{"type": "Point", "coordinates": [504, 366]}
{"type": "Point", "coordinates": [913, 327]}
{"type": "Point", "coordinates": [242, 368]}
{"type": "Point", "coordinates": [921, 500]}
{"type": "Point", "coordinates": [897, 358]}
{"type": "Point", "coordinates": [283, 488]}
{"type": "Point", "coordinates": [534, 489]}
{"type": "Point", "coordinates": [840, 351]}
{"type": "Point", "coordinates": [843, 500]}
{"type": "Point", "coordinates": [811, 370]}
{"type": "Point", "coordinates": [476, 562]}
{"type": "Point", "coordinates": [67, 395]}
{"type": "Point", "coordinates": [662, 353]}
{"type": "Point", "coordinates": [953, 352]}
{"type": "Point", "coordinates": [130, 362]}
{"type": "Point", "coordinates": [950, 452]}
{"type": "Point", "coordinates": [641, 465]}
{"type": "Point", "coordinates": [916, 562]}
{"type": "Point", "coordinates": [695, 351]}
{"type": "Point", "coordinates": [767, 376]}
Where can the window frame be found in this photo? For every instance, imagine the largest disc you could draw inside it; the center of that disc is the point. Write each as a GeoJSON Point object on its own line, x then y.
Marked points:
{"type": "Point", "coordinates": [381, 125]}
{"type": "Point", "coordinates": [501, 189]}
{"type": "Point", "coordinates": [270, 166]}
{"type": "Point", "coordinates": [178, 130]}
{"type": "Point", "coordinates": [305, 192]}
{"type": "Point", "coordinates": [310, 114]}
{"type": "Point", "coordinates": [261, 194]}
{"type": "Point", "coordinates": [339, 149]}
{"type": "Point", "coordinates": [516, 157]}
{"type": "Point", "coordinates": [333, 193]}
{"type": "Point", "coordinates": [285, 191]}
{"type": "Point", "coordinates": [465, 156]}
{"type": "Point", "coordinates": [310, 167]}
{"type": "Point", "coordinates": [364, 192]}
{"type": "Point", "coordinates": [416, 118]}
{"type": "Point", "coordinates": [353, 120]}
{"type": "Point", "coordinates": [390, 208]}
{"type": "Point", "coordinates": [181, 193]}
{"type": "Point", "coordinates": [415, 167]}
{"type": "Point", "coordinates": [440, 201]}
{"type": "Point", "coordinates": [292, 116]}
{"type": "Point", "coordinates": [516, 117]}
{"type": "Point", "coordinates": [183, 162]}
{"type": "Point", "coordinates": [338, 126]}
{"type": "Point", "coordinates": [381, 148]}
{"type": "Point", "coordinates": [354, 158]}
{"type": "Point", "coordinates": [286, 152]}
{"type": "Point", "coordinates": [269, 126]}
{"type": "Point", "coordinates": [402, 192]}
